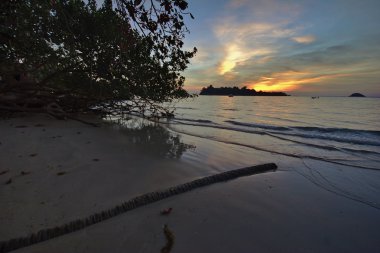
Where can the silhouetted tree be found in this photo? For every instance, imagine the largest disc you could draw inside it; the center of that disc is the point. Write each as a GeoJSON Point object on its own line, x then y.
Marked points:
{"type": "Point", "coordinates": [71, 55]}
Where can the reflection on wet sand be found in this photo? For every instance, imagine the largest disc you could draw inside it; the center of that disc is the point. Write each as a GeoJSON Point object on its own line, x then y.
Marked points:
{"type": "Point", "coordinates": [153, 139]}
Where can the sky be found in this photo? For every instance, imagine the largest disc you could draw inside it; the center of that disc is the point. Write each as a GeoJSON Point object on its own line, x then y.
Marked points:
{"type": "Point", "coordinates": [308, 47]}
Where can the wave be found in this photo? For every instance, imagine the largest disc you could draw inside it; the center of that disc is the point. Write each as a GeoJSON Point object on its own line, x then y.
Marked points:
{"type": "Point", "coordinates": [262, 126]}
{"type": "Point", "coordinates": [195, 120]}
{"type": "Point", "coordinates": [327, 147]}
{"type": "Point", "coordinates": [185, 108]}
{"type": "Point", "coordinates": [340, 135]}
{"type": "Point", "coordinates": [282, 119]}
{"type": "Point", "coordinates": [354, 136]}
{"type": "Point", "coordinates": [358, 139]}
{"type": "Point", "coordinates": [305, 143]}
{"type": "Point", "coordinates": [301, 156]}
{"type": "Point", "coordinates": [334, 130]}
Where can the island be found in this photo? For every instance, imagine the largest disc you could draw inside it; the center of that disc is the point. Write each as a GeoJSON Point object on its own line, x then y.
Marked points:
{"type": "Point", "coordinates": [357, 95]}
{"type": "Point", "coordinates": [236, 91]}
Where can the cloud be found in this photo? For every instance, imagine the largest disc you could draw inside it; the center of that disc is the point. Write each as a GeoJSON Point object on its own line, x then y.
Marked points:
{"type": "Point", "coordinates": [257, 34]}
{"type": "Point", "coordinates": [348, 65]}
{"type": "Point", "coordinates": [272, 45]}
{"type": "Point", "coordinates": [290, 80]}
{"type": "Point", "coordinates": [274, 10]}
{"type": "Point", "coordinates": [243, 41]}
{"type": "Point", "coordinates": [236, 53]}
{"type": "Point", "coordinates": [238, 3]}
{"type": "Point", "coordinates": [206, 55]}
{"type": "Point", "coordinates": [239, 40]}
{"type": "Point", "coordinates": [304, 39]}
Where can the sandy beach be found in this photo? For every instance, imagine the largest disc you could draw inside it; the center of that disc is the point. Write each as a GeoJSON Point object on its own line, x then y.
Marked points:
{"type": "Point", "coordinates": [176, 126]}
{"type": "Point", "coordinates": [55, 171]}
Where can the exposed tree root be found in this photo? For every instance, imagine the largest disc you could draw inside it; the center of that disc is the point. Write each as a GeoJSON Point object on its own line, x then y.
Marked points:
{"type": "Point", "coordinates": [169, 240]}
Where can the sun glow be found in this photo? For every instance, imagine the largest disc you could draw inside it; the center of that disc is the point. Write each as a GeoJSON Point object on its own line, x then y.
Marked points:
{"type": "Point", "coordinates": [287, 81]}
{"type": "Point", "coordinates": [287, 86]}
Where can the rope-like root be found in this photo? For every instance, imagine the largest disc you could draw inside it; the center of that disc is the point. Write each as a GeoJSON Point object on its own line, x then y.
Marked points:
{"type": "Point", "coordinates": [136, 202]}
{"type": "Point", "coordinates": [169, 240]}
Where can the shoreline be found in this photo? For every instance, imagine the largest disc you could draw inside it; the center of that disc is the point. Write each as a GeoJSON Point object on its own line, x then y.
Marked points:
{"type": "Point", "coordinates": [106, 165]}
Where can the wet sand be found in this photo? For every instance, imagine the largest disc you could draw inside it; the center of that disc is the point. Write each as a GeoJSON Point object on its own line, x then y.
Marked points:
{"type": "Point", "coordinates": [64, 170]}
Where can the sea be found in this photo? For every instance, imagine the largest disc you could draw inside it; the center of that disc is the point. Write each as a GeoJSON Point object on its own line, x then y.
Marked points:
{"type": "Point", "coordinates": [336, 130]}
{"type": "Point", "coordinates": [324, 195]}
{"type": "Point", "coordinates": [332, 143]}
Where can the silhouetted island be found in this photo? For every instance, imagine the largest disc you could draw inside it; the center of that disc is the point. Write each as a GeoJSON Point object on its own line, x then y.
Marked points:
{"type": "Point", "coordinates": [235, 91]}
{"type": "Point", "coordinates": [358, 95]}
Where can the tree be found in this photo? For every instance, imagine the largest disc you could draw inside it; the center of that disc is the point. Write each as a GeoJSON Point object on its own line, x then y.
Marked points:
{"type": "Point", "coordinates": [70, 55]}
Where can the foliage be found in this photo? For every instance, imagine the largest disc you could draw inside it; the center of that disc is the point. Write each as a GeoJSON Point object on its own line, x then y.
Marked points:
{"type": "Point", "coordinates": [76, 55]}
{"type": "Point", "coordinates": [162, 22]}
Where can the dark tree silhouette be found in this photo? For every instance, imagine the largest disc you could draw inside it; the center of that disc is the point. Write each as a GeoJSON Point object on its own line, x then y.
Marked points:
{"type": "Point", "coordinates": [69, 56]}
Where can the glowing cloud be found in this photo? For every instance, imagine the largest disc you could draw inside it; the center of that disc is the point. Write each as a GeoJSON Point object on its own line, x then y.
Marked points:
{"type": "Point", "coordinates": [235, 54]}
{"type": "Point", "coordinates": [243, 41]}
{"type": "Point", "coordinates": [288, 81]}
{"type": "Point", "coordinates": [304, 39]}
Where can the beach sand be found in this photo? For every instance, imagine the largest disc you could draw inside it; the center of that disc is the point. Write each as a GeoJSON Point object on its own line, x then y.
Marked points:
{"type": "Point", "coordinates": [54, 172]}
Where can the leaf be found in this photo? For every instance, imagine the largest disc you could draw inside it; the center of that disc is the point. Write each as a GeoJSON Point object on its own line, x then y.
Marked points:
{"type": "Point", "coordinates": [183, 5]}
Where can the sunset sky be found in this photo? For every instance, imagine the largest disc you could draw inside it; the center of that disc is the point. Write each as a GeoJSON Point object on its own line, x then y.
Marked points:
{"type": "Point", "coordinates": [309, 47]}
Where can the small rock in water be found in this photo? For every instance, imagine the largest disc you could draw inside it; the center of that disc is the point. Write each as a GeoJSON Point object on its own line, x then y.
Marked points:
{"type": "Point", "coordinates": [358, 95]}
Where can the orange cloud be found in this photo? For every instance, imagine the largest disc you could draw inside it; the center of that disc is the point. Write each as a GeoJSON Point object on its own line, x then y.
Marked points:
{"type": "Point", "coordinates": [243, 41]}
{"type": "Point", "coordinates": [304, 39]}
{"type": "Point", "coordinates": [236, 53]}
{"type": "Point", "coordinates": [288, 81]}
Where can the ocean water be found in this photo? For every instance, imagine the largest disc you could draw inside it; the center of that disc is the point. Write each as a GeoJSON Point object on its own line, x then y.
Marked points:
{"type": "Point", "coordinates": [324, 192]}
{"type": "Point", "coordinates": [335, 130]}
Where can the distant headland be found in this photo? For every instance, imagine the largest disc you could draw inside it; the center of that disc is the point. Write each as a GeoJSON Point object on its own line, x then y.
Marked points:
{"type": "Point", "coordinates": [236, 91]}
{"type": "Point", "coordinates": [357, 95]}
